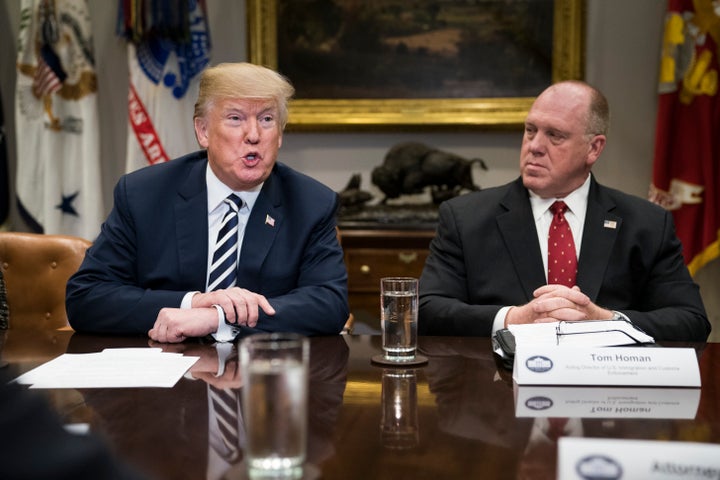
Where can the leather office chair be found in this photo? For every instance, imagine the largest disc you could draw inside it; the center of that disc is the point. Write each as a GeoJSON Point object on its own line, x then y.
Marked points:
{"type": "Point", "coordinates": [36, 268]}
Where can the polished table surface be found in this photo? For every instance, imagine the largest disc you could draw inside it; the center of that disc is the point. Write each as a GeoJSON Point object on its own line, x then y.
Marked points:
{"type": "Point", "coordinates": [461, 405]}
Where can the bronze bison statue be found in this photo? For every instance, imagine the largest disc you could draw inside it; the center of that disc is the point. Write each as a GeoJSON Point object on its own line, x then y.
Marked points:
{"type": "Point", "coordinates": [409, 168]}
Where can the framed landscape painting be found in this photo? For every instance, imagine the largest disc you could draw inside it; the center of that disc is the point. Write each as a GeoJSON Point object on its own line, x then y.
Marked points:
{"type": "Point", "coordinates": [394, 64]}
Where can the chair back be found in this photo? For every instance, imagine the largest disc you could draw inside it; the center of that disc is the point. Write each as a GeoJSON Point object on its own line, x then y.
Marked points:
{"type": "Point", "coordinates": [36, 268]}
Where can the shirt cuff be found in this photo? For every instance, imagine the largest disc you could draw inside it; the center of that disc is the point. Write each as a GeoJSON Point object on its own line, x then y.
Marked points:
{"type": "Point", "coordinates": [225, 332]}
{"type": "Point", "coordinates": [499, 322]}
{"type": "Point", "coordinates": [187, 300]}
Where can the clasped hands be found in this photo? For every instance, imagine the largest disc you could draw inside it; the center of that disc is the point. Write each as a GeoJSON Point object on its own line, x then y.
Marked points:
{"type": "Point", "coordinates": [553, 303]}
{"type": "Point", "coordinates": [241, 307]}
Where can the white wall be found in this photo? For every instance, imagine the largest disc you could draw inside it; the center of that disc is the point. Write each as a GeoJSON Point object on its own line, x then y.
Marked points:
{"type": "Point", "coordinates": [622, 52]}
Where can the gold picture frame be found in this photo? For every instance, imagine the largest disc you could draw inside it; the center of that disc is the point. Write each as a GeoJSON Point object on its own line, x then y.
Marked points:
{"type": "Point", "coordinates": [437, 113]}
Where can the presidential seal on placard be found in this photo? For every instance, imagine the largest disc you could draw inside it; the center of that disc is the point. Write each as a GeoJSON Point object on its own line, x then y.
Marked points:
{"type": "Point", "coordinates": [539, 364]}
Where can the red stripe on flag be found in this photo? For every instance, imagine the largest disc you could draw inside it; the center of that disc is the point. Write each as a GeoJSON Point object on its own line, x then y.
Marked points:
{"type": "Point", "coordinates": [45, 82]}
{"type": "Point", "coordinates": [145, 133]}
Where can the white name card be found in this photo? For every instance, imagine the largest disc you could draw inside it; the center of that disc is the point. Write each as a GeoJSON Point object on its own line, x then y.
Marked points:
{"type": "Point", "coordinates": [620, 366]}
{"type": "Point", "coordinates": [612, 459]}
{"type": "Point", "coordinates": [602, 402]}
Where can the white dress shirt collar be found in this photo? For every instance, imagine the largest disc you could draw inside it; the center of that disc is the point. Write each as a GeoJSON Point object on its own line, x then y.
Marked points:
{"type": "Point", "coordinates": [217, 192]}
{"type": "Point", "coordinates": [576, 201]}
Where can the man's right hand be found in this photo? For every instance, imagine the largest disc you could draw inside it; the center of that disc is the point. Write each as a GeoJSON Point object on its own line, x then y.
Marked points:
{"type": "Point", "coordinates": [241, 306]}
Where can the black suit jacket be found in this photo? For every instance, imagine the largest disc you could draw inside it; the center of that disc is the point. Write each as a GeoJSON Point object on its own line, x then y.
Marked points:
{"type": "Point", "coordinates": [153, 248]}
{"type": "Point", "coordinates": [486, 255]}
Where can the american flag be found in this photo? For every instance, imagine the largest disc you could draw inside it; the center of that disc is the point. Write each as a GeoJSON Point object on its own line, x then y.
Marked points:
{"type": "Point", "coordinates": [58, 179]}
{"type": "Point", "coordinates": [48, 79]}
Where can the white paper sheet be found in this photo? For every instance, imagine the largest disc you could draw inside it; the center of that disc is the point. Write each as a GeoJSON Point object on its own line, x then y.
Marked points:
{"type": "Point", "coordinates": [111, 368]}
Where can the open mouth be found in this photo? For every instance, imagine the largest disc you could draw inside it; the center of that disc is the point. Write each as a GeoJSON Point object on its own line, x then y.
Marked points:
{"type": "Point", "coordinates": [252, 157]}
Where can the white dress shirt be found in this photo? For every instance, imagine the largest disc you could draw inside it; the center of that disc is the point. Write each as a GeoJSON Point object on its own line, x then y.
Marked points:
{"type": "Point", "coordinates": [575, 216]}
{"type": "Point", "coordinates": [217, 192]}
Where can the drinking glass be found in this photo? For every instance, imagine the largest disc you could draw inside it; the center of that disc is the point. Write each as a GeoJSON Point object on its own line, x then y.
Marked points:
{"type": "Point", "coordinates": [275, 397]}
{"type": "Point", "coordinates": [398, 318]}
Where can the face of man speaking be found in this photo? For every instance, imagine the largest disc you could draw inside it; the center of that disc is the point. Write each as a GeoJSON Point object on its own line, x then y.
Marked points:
{"type": "Point", "coordinates": [242, 138]}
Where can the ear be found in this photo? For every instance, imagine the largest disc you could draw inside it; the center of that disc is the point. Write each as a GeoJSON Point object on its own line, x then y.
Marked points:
{"type": "Point", "coordinates": [595, 148]}
{"type": "Point", "coordinates": [201, 131]}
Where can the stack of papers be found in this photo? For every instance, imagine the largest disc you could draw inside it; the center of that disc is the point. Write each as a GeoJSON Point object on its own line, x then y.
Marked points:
{"type": "Point", "coordinates": [111, 368]}
{"type": "Point", "coordinates": [588, 333]}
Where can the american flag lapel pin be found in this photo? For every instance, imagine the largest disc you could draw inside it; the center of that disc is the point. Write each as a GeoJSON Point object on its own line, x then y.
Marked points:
{"type": "Point", "coordinates": [269, 220]}
{"type": "Point", "coordinates": [610, 224]}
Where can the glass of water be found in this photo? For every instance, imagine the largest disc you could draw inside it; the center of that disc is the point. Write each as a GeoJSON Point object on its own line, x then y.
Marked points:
{"type": "Point", "coordinates": [275, 397]}
{"type": "Point", "coordinates": [398, 317]}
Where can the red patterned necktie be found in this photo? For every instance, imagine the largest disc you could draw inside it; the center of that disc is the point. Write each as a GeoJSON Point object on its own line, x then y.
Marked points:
{"type": "Point", "coordinates": [562, 260]}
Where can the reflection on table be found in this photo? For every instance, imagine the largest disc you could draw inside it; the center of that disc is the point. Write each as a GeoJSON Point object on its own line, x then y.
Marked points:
{"type": "Point", "coordinates": [456, 417]}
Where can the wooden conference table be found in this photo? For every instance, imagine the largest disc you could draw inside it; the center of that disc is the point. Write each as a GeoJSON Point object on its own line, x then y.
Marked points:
{"type": "Point", "coordinates": [458, 411]}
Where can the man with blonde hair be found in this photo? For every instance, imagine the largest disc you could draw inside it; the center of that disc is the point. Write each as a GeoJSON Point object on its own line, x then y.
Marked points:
{"type": "Point", "coordinates": [224, 241]}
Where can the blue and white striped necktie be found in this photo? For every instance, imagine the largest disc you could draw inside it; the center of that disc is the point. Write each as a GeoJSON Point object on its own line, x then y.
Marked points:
{"type": "Point", "coordinates": [227, 415]}
{"type": "Point", "coordinates": [223, 270]}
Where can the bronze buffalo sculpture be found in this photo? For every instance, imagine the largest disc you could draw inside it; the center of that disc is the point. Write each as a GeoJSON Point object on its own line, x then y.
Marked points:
{"type": "Point", "coordinates": [411, 167]}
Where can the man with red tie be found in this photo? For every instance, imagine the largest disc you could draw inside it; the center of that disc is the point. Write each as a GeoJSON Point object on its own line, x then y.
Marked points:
{"type": "Point", "coordinates": [555, 244]}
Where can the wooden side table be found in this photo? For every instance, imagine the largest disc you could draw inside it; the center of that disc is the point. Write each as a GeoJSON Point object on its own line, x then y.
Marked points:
{"type": "Point", "coordinates": [373, 253]}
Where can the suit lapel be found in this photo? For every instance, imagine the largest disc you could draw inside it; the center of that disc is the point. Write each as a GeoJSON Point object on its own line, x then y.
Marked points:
{"type": "Point", "coordinates": [192, 227]}
{"type": "Point", "coordinates": [599, 235]}
{"type": "Point", "coordinates": [517, 228]}
{"type": "Point", "coordinates": [265, 221]}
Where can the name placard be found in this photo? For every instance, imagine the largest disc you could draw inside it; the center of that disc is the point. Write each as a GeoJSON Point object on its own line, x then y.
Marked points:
{"type": "Point", "coordinates": [605, 402]}
{"type": "Point", "coordinates": [611, 459]}
{"type": "Point", "coordinates": [620, 366]}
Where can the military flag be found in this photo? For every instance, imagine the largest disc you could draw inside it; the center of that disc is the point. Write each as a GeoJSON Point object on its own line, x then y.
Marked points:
{"type": "Point", "coordinates": [58, 181]}
{"type": "Point", "coordinates": [686, 169]}
{"type": "Point", "coordinates": [168, 46]}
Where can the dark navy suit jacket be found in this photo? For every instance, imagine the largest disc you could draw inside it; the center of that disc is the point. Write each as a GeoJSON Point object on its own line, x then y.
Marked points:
{"type": "Point", "coordinates": [153, 248]}
{"type": "Point", "coordinates": [486, 255]}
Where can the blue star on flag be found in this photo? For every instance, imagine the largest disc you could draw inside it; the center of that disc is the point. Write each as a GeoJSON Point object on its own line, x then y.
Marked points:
{"type": "Point", "coordinates": [66, 205]}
